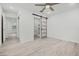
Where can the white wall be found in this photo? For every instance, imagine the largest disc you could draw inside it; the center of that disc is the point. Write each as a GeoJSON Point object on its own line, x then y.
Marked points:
{"type": "Point", "coordinates": [64, 26]}
{"type": "Point", "coordinates": [25, 22]}
{"type": "Point", "coordinates": [26, 26]}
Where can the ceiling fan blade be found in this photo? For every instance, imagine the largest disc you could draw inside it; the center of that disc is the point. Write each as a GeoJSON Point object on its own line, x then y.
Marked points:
{"type": "Point", "coordinates": [51, 8]}
{"type": "Point", "coordinates": [40, 4]}
{"type": "Point", "coordinates": [55, 3]}
{"type": "Point", "coordinates": [43, 9]}
{"type": "Point", "coordinates": [46, 4]}
{"type": "Point", "coordinates": [51, 3]}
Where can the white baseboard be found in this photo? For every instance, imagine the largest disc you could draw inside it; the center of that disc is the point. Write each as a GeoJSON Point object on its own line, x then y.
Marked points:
{"type": "Point", "coordinates": [75, 41]}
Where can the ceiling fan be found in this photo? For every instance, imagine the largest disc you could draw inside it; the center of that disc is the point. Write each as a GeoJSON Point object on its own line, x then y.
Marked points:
{"type": "Point", "coordinates": [46, 6]}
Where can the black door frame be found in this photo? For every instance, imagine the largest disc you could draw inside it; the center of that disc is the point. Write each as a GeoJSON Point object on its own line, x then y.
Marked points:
{"type": "Point", "coordinates": [2, 38]}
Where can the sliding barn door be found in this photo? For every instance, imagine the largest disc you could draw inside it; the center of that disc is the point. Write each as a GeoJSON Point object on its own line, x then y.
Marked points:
{"type": "Point", "coordinates": [40, 27]}
{"type": "Point", "coordinates": [37, 27]}
{"type": "Point", "coordinates": [43, 27]}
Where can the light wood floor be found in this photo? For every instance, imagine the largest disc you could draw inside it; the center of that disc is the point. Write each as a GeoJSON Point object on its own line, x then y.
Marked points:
{"type": "Point", "coordinates": [41, 47]}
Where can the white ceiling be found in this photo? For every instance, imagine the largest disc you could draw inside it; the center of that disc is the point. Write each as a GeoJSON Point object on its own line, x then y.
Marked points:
{"type": "Point", "coordinates": [59, 8]}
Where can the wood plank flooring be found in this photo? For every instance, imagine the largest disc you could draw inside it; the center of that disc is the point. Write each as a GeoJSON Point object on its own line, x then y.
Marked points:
{"type": "Point", "coordinates": [41, 47]}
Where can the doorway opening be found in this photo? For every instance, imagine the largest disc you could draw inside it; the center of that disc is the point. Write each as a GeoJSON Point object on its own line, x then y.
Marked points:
{"type": "Point", "coordinates": [11, 33]}
{"type": "Point", "coordinates": [40, 26]}
{"type": "Point", "coordinates": [10, 27]}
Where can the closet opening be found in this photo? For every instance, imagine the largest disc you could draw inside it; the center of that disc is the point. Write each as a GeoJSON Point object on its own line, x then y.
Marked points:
{"type": "Point", "coordinates": [40, 26]}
